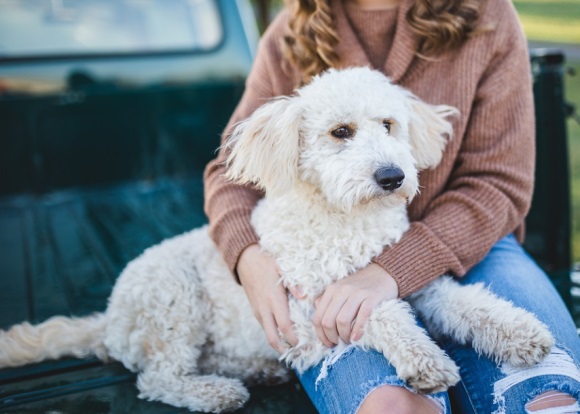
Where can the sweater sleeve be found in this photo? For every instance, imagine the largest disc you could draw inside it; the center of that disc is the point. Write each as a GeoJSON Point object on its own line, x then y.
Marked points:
{"type": "Point", "coordinates": [490, 188]}
{"type": "Point", "coordinates": [227, 205]}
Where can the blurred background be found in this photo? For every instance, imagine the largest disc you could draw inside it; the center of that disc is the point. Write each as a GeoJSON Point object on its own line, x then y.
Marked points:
{"type": "Point", "coordinates": [556, 23]}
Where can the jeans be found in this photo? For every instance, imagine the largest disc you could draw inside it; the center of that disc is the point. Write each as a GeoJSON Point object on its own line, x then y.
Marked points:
{"type": "Point", "coordinates": [485, 386]}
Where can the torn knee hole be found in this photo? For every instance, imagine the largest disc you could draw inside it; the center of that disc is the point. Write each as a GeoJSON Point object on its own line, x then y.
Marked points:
{"type": "Point", "coordinates": [557, 363]}
{"type": "Point", "coordinates": [553, 399]}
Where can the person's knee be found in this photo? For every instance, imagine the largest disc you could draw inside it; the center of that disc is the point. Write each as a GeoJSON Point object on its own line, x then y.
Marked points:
{"type": "Point", "coordinates": [557, 376]}
{"type": "Point", "coordinates": [553, 399]}
{"type": "Point", "coordinates": [391, 399]}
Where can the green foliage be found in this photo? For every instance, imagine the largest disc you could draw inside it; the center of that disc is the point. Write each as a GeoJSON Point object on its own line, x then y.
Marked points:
{"type": "Point", "coordinates": [550, 20]}
{"type": "Point", "coordinates": [573, 95]}
{"type": "Point", "coordinates": [558, 21]}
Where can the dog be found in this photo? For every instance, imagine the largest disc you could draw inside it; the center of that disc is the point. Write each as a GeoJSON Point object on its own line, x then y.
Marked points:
{"type": "Point", "coordinates": [338, 162]}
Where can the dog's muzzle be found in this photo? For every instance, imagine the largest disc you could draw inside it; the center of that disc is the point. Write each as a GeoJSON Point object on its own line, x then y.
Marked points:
{"type": "Point", "coordinates": [389, 178]}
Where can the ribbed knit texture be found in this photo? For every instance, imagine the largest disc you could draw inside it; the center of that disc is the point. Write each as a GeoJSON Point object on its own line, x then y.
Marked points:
{"type": "Point", "coordinates": [374, 29]}
{"type": "Point", "coordinates": [482, 189]}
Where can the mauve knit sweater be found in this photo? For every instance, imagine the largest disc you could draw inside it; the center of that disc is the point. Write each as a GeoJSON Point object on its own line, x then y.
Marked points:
{"type": "Point", "coordinates": [480, 192]}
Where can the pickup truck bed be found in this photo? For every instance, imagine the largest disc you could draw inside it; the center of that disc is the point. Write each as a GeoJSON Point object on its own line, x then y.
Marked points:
{"type": "Point", "coordinates": [63, 252]}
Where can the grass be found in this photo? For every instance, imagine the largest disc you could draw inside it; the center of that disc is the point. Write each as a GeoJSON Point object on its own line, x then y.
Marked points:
{"type": "Point", "coordinates": [573, 95]}
{"type": "Point", "coordinates": [550, 20]}
{"type": "Point", "coordinates": [558, 21]}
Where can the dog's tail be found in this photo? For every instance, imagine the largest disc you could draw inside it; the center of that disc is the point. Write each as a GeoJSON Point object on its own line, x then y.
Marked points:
{"type": "Point", "coordinates": [57, 337]}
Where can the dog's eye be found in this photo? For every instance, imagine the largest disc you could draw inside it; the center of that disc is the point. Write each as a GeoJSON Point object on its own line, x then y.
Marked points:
{"type": "Point", "coordinates": [387, 124]}
{"type": "Point", "coordinates": [342, 132]}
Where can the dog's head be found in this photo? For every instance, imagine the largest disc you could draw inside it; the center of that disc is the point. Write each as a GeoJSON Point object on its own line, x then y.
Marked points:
{"type": "Point", "coordinates": [350, 133]}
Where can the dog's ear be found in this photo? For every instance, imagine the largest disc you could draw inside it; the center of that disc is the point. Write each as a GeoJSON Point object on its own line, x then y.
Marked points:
{"type": "Point", "coordinates": [429, 130]}
{"type": "Point", "coordinates": [265, 147]}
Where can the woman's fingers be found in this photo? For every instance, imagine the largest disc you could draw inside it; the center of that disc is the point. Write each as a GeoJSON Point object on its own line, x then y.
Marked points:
{"type": "Point", "coordinates": [346, 319]}
{"type": "Point", "coordinates": [346, 305]}
{"type": "Point", "coordinates": [271, 329]}
{"type": "Point", "coordinates": [363, 315]}
{"type": "Point", "coordinates": [336, 318]}
{"type": "Point", "coordinates": [281, 313]}
{"type": "Point", "coordinates": [296, 292]}
{"type": "Point", "coordinates": [278, 326]}
{"type": "Point", "coordinates": [324, 318]}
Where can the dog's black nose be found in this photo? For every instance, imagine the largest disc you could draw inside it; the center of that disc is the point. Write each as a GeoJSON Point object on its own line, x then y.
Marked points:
{"type": "Point", "coordinates": [389, 178]}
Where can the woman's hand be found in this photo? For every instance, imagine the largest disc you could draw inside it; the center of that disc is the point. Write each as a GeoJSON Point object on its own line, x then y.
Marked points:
{"type": "Point", "coordinates": [345, 306]}
{"type": "Point", "coordinates": [269, 300]}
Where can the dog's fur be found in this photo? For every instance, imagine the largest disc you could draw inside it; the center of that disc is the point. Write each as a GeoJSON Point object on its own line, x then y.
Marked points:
{"type": "Point", "coordinates": [177, 317]}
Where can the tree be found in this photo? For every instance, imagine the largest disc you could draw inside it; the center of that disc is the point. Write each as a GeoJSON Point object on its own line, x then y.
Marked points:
{"type": "Point", "coordinates": [265, 9]}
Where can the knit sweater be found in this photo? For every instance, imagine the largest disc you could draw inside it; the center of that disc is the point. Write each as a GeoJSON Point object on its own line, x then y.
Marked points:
{"type": "Point", "coordinates": [374, 30]}
{"type": "Point", "coordinates": [481, 190]}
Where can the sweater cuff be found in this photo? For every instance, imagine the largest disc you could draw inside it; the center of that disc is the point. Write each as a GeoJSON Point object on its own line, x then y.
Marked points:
{"type": "Point", "coordinates": [233, 241]}
{"type": "Point", "coordinates": [417, 259]}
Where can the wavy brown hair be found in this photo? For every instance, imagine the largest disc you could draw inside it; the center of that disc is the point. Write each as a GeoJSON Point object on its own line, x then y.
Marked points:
{"type": "Point", "coordinates": [440, 26]}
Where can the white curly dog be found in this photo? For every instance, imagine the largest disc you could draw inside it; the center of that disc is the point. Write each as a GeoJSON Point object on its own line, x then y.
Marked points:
{"type": "Point", "coordinates": [338, 161]}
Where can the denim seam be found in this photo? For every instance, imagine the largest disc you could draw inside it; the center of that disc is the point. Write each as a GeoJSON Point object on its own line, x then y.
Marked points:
{"type": "Point", "coordinates": [465, 379]}
{"type": "Point", "coordinates": [468, 397]}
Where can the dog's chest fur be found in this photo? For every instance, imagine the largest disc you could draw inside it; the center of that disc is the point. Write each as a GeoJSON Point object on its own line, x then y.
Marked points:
{"type": "Point", "coordinates": [315, 245]}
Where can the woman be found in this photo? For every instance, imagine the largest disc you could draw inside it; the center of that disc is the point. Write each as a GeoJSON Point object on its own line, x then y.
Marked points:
{"type": "Point", "coordinates": [467, 221]}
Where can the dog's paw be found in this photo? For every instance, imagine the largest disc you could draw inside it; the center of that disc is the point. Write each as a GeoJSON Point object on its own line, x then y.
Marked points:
{"type": "Point", "coordinates": [524, 342]}
{"type": "Point", "coordinates": [230, 396]}
{"type": "Point", "coordinates": [425, 367]}
{"type": "Point", "coordinates": [207, 393]}
{"type": "Point", "coordinates": [514, 336]}
{"type": "Point", "coordinates": [222, 395]}
{"type": "Point", "coordinates": [434, 375]}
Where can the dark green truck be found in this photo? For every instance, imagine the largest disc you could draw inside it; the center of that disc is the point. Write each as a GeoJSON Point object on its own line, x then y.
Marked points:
{"type": "Point", "coordinates": [109, 111]}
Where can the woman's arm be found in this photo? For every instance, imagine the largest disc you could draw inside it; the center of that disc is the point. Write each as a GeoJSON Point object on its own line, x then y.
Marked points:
{"type": "Point", "coordinates": [490, 189]}
{"type": "Point", "coordinates": [229, 206]}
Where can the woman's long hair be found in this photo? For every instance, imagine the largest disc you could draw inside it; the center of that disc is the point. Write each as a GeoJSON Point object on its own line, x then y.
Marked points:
{"type": "Point", "coordinates": [440, 26]}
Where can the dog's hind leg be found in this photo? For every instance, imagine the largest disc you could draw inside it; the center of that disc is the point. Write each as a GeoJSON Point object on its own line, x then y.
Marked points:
{"type": "Point", "coordinates": [158, 319]}
{"type": "Point", "coordinates": [473, 314]}
{"type": "Point", "coordinates": [392, 330]}
{"type": "Point", "coordinates": [171, 370]}
{"type": "Point", "coordinates": [165, 382]}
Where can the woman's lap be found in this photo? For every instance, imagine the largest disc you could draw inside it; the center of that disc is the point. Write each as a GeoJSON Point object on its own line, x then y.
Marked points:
{"type": "Point", "coordinates": [511, 274]}
{"type": "Point", "coordinates": [485, 387]}
{"type": "Point", "coordinates": [341, 387]}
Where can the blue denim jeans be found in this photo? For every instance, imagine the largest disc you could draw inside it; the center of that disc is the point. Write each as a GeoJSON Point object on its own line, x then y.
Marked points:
{"type": "Point", "coordinates": [485, 386]}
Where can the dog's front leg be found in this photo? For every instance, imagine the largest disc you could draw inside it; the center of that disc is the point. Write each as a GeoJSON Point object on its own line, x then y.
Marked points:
{"type": "Point", "coordinates": [493, 326]}
{"type": "Point", "coordinates": [392, 330]}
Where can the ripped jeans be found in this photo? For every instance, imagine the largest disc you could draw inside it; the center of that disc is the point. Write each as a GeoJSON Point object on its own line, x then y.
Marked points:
{"type": "Point", "coordinates": [485, 387]}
